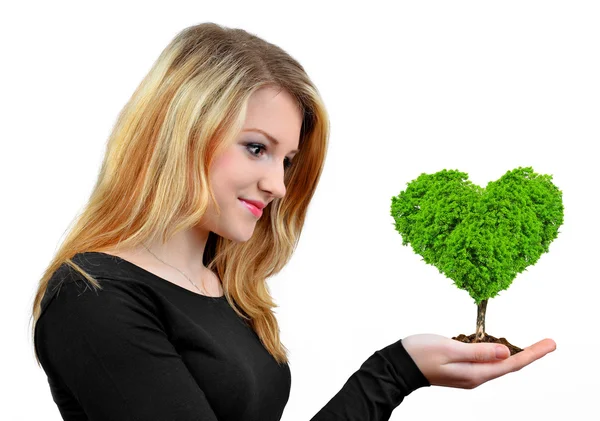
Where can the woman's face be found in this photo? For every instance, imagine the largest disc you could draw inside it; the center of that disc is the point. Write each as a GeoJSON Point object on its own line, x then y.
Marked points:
{"type": "Point", "coordinates": [253, 166]}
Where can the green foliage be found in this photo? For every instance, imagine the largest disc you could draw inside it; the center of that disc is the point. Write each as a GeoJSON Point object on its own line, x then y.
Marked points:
{"type": "Point", "coordinates": [479, 238]}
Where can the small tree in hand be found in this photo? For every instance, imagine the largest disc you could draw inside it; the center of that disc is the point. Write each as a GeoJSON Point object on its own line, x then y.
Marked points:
{"type": "Point", "coordinates": [480, 238]}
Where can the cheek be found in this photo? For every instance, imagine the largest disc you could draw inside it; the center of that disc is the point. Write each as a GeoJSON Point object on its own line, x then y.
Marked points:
{"type": "Point", "coordinates": [227, 171]}
{"type": "Point", "coordinates": [221, 162]}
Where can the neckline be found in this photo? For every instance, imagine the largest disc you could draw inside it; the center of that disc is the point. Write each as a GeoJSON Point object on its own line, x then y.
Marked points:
{"type": "Point", "coordinates": [147, 273]}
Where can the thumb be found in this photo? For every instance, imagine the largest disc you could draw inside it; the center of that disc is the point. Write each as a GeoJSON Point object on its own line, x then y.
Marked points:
{"type": "Point", "coordinates": [483, 352]}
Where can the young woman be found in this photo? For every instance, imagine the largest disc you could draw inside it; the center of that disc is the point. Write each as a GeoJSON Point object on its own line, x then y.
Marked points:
{"type": "Point", "coordinates": [155, 306]}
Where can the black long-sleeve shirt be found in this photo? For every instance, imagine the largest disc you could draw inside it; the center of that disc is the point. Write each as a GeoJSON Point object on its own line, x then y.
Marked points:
{"type": "Point", "coordinates": [143, 348]}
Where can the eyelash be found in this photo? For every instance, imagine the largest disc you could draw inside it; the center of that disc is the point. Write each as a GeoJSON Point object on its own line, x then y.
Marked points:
{"type": "Point", "coordinates": [286, 163]}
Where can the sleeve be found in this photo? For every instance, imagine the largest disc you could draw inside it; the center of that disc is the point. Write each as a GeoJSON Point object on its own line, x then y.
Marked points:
{"type": "Point", "coordinates": [377, 388]}
{"type": "Point", "coordinates": [110, 350]}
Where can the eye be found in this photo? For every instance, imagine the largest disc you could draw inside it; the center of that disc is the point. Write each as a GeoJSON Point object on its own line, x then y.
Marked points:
{"type": "Point", "coordinates": [287, 162]}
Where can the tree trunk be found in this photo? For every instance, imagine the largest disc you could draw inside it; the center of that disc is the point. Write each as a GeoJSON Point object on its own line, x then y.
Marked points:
{"type": "Point", "coordinates": [480, 329]}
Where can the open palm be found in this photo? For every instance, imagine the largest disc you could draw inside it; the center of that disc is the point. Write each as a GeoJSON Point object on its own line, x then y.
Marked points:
{"type": "Point", "coordinates": [450, 363]}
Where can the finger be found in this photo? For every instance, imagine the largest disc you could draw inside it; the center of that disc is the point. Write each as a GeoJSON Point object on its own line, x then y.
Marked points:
{"type": "Point", "coordinates": [530, 354]}
{"type": "Point", "coordinates": [477, 352]}
{"type": "Point", "coordinates": [486, 372]}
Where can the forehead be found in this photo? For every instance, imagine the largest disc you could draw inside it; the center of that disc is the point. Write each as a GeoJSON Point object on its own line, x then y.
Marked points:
{"type": "Point", "coordinates": [274, 111]}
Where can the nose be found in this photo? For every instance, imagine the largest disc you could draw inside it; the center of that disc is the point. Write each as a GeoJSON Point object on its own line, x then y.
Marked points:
{"type": "Point", "coordinates": [273, 180]}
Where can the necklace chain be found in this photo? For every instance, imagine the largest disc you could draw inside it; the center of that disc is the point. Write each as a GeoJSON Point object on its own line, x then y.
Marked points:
{"type": "Point", "coordinates": [188, 278]}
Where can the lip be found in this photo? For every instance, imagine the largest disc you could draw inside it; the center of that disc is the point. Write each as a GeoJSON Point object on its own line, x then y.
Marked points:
{"type": "Point", "coordinates": [255, 203]}
{"type": "Point", "coordinates": [252, 208]}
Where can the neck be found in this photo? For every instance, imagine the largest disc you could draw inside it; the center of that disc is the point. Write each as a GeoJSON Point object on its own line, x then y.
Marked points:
{"type": "Point", "coordinates": [184, 250]}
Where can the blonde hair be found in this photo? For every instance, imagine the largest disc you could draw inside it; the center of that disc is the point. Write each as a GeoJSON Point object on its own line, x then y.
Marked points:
{"type": "Point", "coordinates": [189, 107]}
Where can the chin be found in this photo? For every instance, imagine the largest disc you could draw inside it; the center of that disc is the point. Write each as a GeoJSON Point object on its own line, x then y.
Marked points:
{"type": "Point", "coordinates": [237, 237]}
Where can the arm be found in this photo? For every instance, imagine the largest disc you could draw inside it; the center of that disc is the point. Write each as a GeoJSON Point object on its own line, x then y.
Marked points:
{"type": "Point", "coordinates": [420, 360]}
{"type": "Point", "coordinates": [109, 349]}
{"type": "Point", "coordinates": [379, 386]}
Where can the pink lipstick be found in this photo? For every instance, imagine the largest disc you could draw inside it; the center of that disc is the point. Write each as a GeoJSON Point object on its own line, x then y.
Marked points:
{"type": "Point", "coordinates": [255, 211]}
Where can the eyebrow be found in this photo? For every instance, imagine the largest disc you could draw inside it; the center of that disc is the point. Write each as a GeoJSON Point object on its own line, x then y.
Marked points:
{"type": "Point", "coordinates": [268, 136]}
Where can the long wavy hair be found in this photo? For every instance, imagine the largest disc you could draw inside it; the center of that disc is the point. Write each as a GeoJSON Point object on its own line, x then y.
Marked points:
{"type": "Point", "coordinates": [154, 176]}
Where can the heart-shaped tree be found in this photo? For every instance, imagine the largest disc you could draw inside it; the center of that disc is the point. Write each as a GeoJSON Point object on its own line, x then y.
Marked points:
{"type": "Point", "coordinates": [480, 238]}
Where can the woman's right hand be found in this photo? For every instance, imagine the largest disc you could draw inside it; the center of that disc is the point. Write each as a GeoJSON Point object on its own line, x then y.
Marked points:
{"type": "Point", "coordinates": [451, 363]}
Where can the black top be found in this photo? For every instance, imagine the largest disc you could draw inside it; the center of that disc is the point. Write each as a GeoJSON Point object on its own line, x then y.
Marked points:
{"type": "Point", "coordinates": [144, 349]}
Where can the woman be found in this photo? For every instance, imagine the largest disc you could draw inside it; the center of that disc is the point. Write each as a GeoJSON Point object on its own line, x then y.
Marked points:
{"type": "Point", "coordinates": [155, 306]}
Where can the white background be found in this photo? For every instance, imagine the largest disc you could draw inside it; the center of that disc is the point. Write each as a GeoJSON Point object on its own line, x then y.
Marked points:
{"type": "Point", "coordinates": [482, 87]}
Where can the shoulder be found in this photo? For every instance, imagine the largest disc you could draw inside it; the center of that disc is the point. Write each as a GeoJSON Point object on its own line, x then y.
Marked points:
{"type": "Point", "coordinates": [77, 317]}
{"type": "Point", "coordinates": [70, 291]}
{"type": "Point", "coordinates": [74, 310]}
